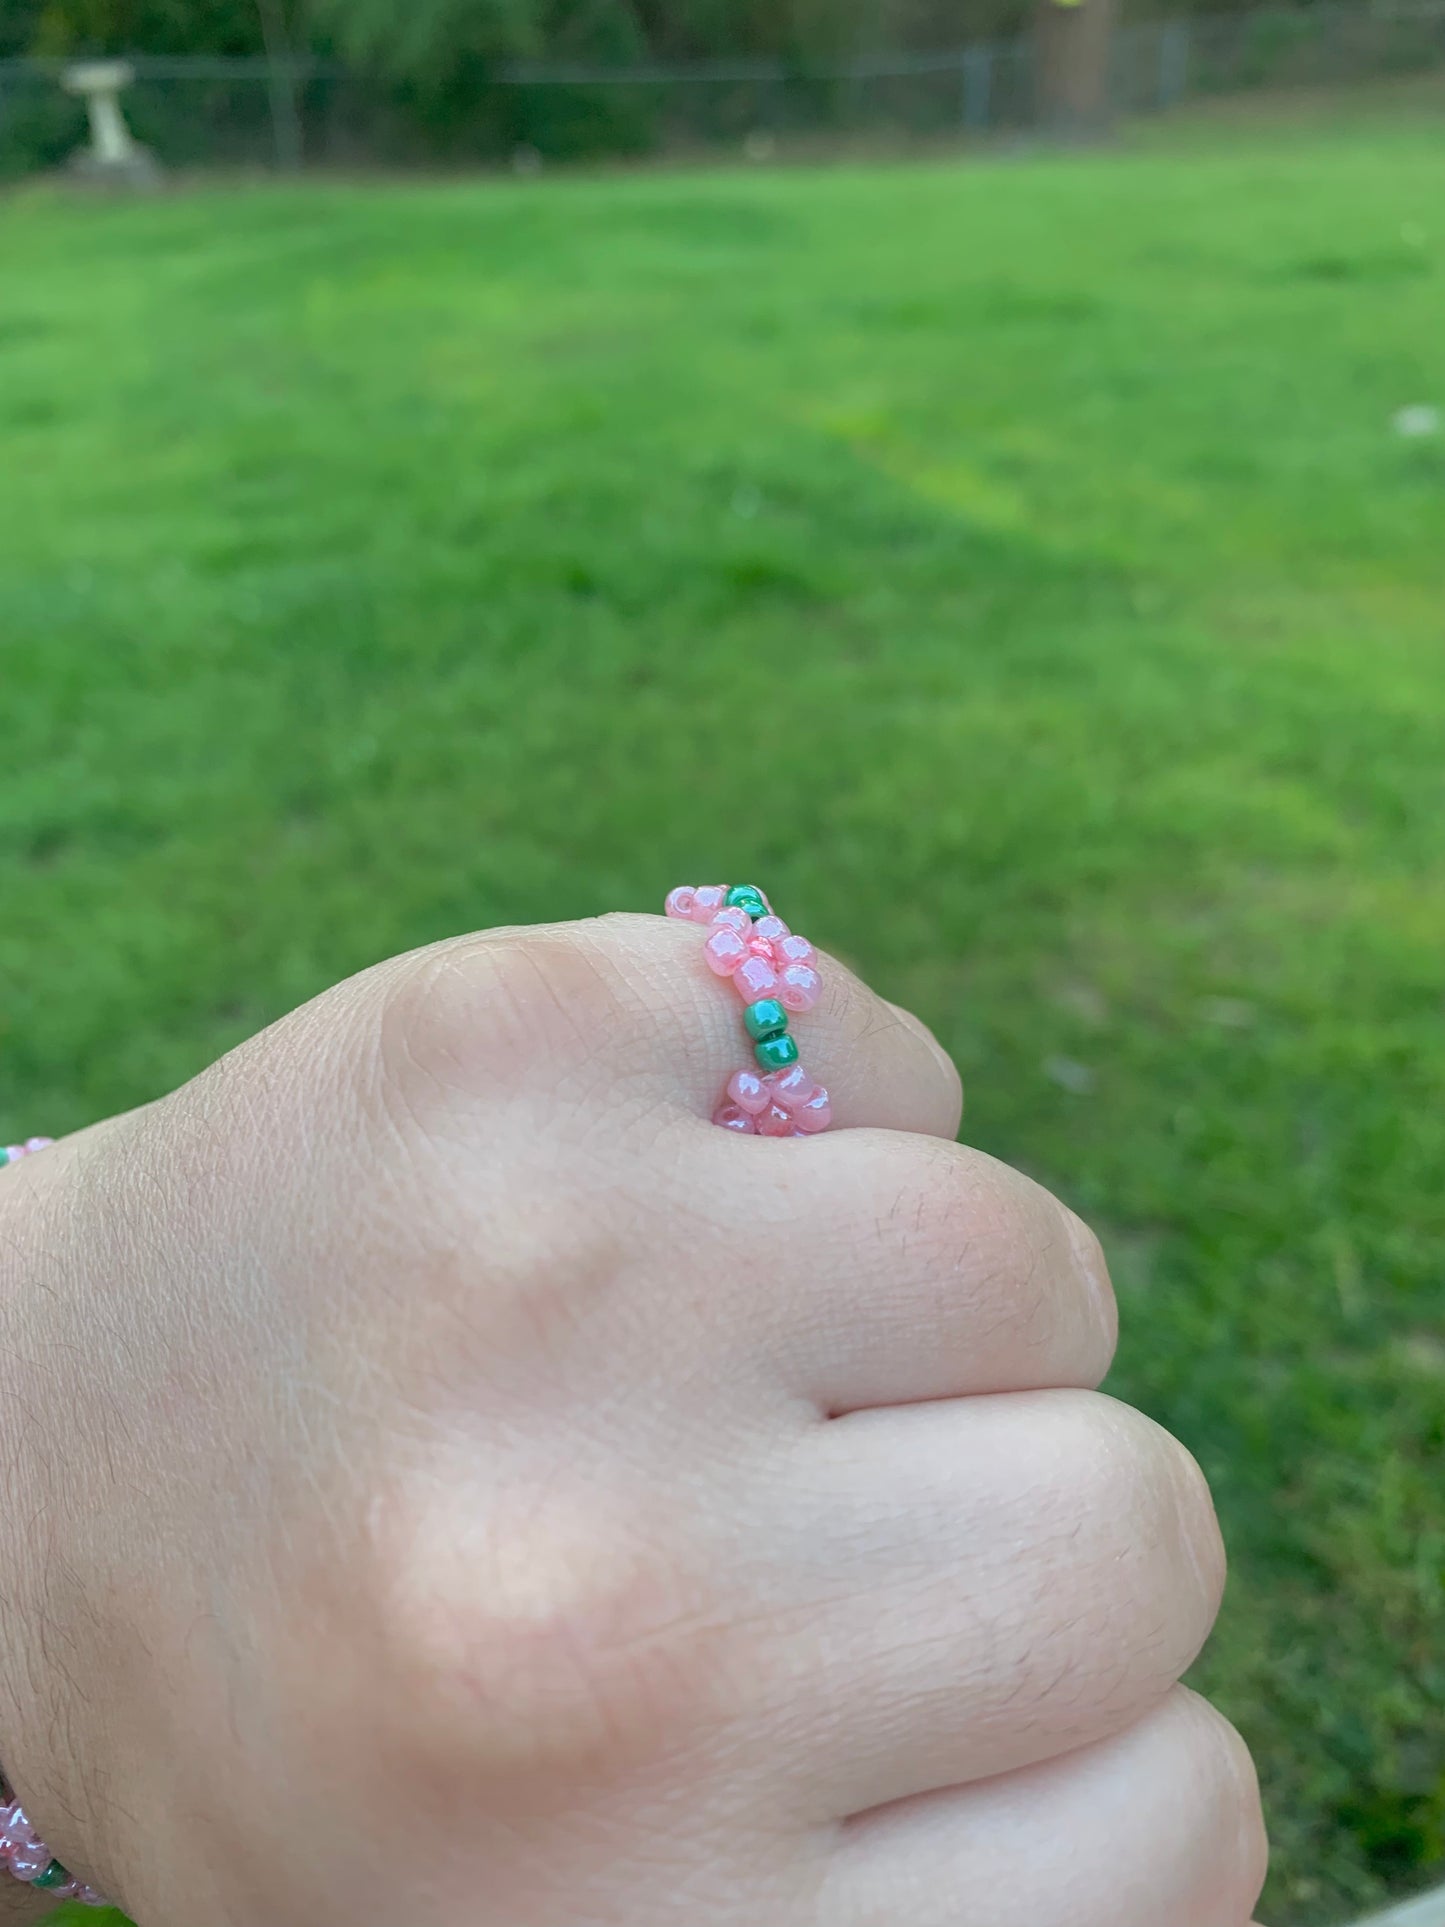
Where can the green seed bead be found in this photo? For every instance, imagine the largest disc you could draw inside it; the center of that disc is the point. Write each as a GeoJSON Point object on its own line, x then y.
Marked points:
{"type": "Point", "coordinates": [54, 1876]}
{"type": "Point", "coordinates": [765, 1018]}
{"type": "Point", "coordinates": [4, 1157]}
{"type": "Point", "coordinates": [747, 896]}
{"type": "Point", "coordinates": [776, 1053]}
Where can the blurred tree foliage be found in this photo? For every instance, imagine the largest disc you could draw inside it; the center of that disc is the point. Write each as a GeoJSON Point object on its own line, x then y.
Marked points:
{"type": "Point", "coordinates": [426, 37]}
{"type": "Point", "coordinates": [425, 40]}
{"type": "Point", "coordinates": [60, 27]}
{"type": "Point", "coordinates": [423, 67]}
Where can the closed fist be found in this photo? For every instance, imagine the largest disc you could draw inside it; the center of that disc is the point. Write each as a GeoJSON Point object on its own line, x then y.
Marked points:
{"type": "Point", "coordinates": [454, 1485]}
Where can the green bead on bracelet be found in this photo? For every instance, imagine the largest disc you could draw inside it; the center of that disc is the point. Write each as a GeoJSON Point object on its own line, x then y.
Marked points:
{"type": "Point", "coordinates": [765, 1018]}
{"type": "Point", "coordinates": [776, 1053]}
{"type": "Point", "coordinates": [767, 1023]}
{"type": "Point", "coordinates": [747, 896]}
{"type": "Point", "coordinates": [54, 1876]}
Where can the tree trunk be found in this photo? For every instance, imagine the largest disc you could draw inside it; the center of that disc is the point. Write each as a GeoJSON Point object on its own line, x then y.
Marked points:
{"type": "Point", "coordinates": [281, 83]}
{"type": "Point", "coordinates": [1073, 40]}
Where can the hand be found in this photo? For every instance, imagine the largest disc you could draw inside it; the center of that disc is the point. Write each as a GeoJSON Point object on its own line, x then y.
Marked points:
{"type": "Point", "coordinates": [451, 1482]}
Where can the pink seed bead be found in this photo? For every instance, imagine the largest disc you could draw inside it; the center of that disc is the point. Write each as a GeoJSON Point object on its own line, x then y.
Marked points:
{"type": "Point", "coordinates": [707, 901]}
{"type": "Point", "coordinates": [732, 917]}
{"type": "Point", "coordinates": [15, 1829]}
{"type": "Point", "coordinates": [755, 978]}
{"type": "Point", "coordinates": [792, 1088]}
{"type": "Point", "coordinates": [732, 1118]}
{"type": "Point", "coordinates": [816, 1115]}
{"type": "Point", "coordinates": [800, 987]}
{"type": "Point", "coordinates": [14, 1152]}
{"type": "Point", "coordinates": [773, 929]}
{"type": "Point", "coordinates": [28, 1861]}
{"type": "Point", "coordinates": [37, 1143]}
{"type": "Point", "coordinates": [725, 949]}
{"type": "Point", "coordinates": [748, 1092]}
{"type": "Point", "coordinates": [775, 1122]}
{"type": "Point", "coordinates": [679, 901]}
{"type": "Point", "coordinates": [796, 950]}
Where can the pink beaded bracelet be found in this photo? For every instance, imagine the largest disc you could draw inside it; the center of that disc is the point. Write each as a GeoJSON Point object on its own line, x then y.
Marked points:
{"type": "Point", "coordinates": [22, 1852]}
{"type": "Point", "coordinates": [12, 1153]}
{"type": "Point", "coordinates": [25, 1855]}
{"type": "Point", "coordinates": [774, 972]}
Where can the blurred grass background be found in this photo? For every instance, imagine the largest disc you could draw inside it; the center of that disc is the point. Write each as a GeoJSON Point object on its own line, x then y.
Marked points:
{"type": "Point", "coordinates": [1010, 566]}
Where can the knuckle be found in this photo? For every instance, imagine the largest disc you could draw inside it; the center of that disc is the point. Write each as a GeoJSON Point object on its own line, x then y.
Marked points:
{"type": "Point", "coordinates": [1125, 1460]}
{"type": "Point", "coordinates": [978, 1227]}
{"type": "Point", "coordinates": [965, 1221]}
{"type": "Point", "coordinates": [1097, 1291]}
{"type": "Point", "coordinates": [548, 1641]}
{"type": "Point", "coordinates": [951, 1080]}
{"type": "Point", "coordinates": [1084, 1239]}
{"type": "Point", "coordinates": [474, 1013]}
{"type": "Point", "coordinates": [1223, 1785]}
{"type": "Point", "coordinates": [1150, 1510]}
{"type": "Point", "coordinates": [1196, 1521]}
{"type": "Point", "coordinates": [1106, 1452]}
{"type": "Point", "coordinates": [862, 1025]}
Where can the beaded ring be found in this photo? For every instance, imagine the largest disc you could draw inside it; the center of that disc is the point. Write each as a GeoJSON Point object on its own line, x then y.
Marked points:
{"type": "Point", "coordinates": [22, 1852]}
{"type": "Point", "coordinates": [774, 972]}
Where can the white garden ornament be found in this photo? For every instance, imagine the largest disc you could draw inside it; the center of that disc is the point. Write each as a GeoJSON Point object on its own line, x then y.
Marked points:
{"type": "Point", "coordinates": [114, 154]}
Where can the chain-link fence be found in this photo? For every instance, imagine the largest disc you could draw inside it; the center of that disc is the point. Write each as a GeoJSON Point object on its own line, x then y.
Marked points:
{"type": "Point", "coordinates": [204, 112]}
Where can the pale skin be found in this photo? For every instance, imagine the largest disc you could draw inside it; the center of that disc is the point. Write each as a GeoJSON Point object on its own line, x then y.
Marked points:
{"type": "Point", "coordinates": [450, 1482]}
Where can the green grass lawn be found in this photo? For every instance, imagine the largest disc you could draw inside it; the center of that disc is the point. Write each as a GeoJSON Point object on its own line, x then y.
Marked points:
{"type": "Point", "coordinates": [1011, 565]}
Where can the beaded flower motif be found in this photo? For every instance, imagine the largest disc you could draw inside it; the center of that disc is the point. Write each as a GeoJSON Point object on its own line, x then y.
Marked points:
{"type": "Point", "coordinates": [774, 973]}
